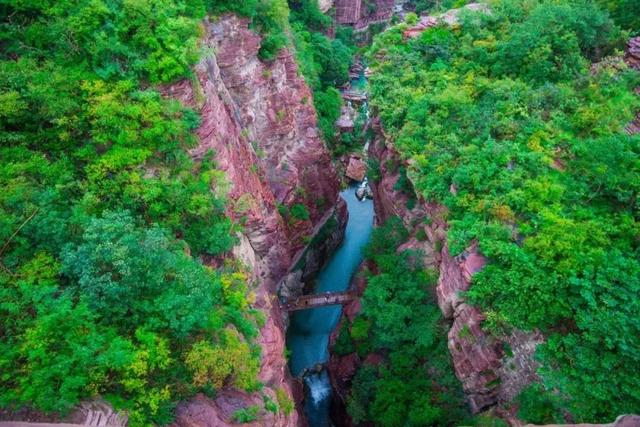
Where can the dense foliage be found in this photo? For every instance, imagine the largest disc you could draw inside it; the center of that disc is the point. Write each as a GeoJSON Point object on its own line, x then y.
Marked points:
{"type": "Point", "coordinates": [625, 13]}
{"type": "Point", "coordinates": [401, 322]}
{"type": "Point", "coordinates": [104, 218]}
{"type": "Point", "coordinates": [324, 62]}
{"type": "Point", "coordinates": [509, 126]}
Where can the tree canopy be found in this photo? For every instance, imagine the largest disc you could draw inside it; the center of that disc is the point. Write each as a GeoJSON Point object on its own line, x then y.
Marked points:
{"type": "Point", "coordinates": [514, 121]}
{"type": "Point", "coordinates": [104, 217]}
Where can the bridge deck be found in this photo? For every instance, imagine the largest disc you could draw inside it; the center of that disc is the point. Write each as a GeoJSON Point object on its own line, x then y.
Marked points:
{"type": "Point", "coordinates": [317, 300]}
{"type": "Point", "coordinates": [353, 95]}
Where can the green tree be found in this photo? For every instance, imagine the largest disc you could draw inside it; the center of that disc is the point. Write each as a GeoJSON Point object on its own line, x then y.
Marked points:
{"type": "Point", "coordinates": [138, 277]}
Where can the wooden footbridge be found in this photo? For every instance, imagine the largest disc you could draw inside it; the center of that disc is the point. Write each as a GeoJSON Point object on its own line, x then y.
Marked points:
{"type": "Point", "coordinates": [354, 95]}
{"type": "Point", "coordinates": [304, 302]}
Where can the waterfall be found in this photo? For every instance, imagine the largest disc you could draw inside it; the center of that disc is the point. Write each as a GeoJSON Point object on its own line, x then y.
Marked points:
{"type": "Point", "coordinates": [319, 387]}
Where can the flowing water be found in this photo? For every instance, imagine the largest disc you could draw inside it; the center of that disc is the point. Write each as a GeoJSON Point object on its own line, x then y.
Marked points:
{"type": "Point", "coordinates": [309, 330]}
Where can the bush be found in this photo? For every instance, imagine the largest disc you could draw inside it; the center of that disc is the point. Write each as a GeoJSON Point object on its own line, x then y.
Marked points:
{"type": "Point", "coordinates": [285, 403]}
{"type": "Point", "coordinates": [538, 406]}
{"type": "Point", "coordinates": [300, 212]}
{"type": "Point", "coordinates": [246, 415]}
{"type": "Point", "coordinates": [344, 344]}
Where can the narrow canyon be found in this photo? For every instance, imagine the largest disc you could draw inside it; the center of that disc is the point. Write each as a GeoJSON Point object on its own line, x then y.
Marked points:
{"type": "Point", "coordinates": [333, 210]}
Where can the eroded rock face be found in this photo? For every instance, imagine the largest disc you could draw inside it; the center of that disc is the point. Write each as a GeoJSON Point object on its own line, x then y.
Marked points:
{"type": "Point", "coordinates": [361, 13]}
{"type": "Point", "coordinates": [258, 120]}
{"type": "Point", "coordinates": [450, 17]}
{"type": "Point", "coordinates": [275, 109]}
{"type": "Point", "coordinates": [389, 202]}
{"type": "Point", "coordinates": [488, 375]}
{"type": "Point", "coordinates": [327, 237]}
{"type": "Point", "coordinates": [356, 168]}
{"type": "Point", "coordinates": [347, 118]}
{"type": "Point", "coordinates": [202, 411]}
{"type": "Point", "coordinates": [632, 58]}
{"type": "Point", "coordinates": [632, 55]}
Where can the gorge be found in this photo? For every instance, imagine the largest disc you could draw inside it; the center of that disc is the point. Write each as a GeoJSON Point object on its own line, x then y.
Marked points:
{"type": "Point", "coordinates": [178, 175]}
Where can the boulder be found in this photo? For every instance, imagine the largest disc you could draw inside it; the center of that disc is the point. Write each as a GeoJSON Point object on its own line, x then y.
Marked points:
{"type": "Point", "coordinates": [346, 119]}
{"type": "Point", "coordinates": [356, 169]}
{"type": "Point", "coordinates": [632, 56]}
{"type": "Point", "coordinates": [450, 18]}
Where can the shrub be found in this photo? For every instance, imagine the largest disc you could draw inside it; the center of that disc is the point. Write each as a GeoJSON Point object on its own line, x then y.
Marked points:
{"type": "Point", "coordinates": [246, 415]}
{"type": "Point", "coordinates": [538, 406]}
{"type": "Point", "coordinates": [285, 403]}
{"type": "Point", "coordinates": [300, 212]}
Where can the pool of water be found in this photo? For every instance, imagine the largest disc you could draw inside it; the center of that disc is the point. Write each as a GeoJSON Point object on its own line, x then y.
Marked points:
{"type": "Point", "coordinates": [309, 330]}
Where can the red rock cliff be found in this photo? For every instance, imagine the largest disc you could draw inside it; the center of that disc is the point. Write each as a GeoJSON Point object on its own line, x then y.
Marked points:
{"type": "Point", "coordinates": [360, 13]}
{"type": "Point", "coordinates": [258, 120]}
{"type": "Point", "coordinates": [488, 376]}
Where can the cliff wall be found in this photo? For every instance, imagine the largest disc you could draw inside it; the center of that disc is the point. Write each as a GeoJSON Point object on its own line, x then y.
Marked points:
{"type": "Point", "coordinates": [488, 375]}
{"type": "Point", "coordinates": [491, 369]}
{"type": "Point", "coordinates": [361, 13]}
{"type": "Point", "coordinates": [259, 122]}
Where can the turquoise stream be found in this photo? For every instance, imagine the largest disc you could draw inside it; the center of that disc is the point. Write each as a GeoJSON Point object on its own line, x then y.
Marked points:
{"type": "Point", "coordinates": [308, 333]}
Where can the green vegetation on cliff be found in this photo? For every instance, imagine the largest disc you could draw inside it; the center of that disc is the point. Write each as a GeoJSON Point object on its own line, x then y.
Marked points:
{"type": "Point", "coordinates": [508, 125]}
{"type": "Point", "coordinates": [324, 62]}
{"type": "Point", "coordinates": [104, 217]}
{"type": "Point", "coordinates": [401, 323]}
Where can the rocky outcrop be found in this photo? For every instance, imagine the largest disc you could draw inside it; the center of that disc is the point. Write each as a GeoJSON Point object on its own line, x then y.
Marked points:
{"type": "Point", "coordinates": [632, 54]}
{"type": "Point", "coordinates": [419, 27]}
{"type": "Point", "coordinates": [356, 168]}
{"type": "Point", "coordinates": [632, 58]}
{"type": "Point", "coordinates": [348, 11]}
{"type": "Point", "coordinates": [259, 123]}
{"type": "Point", "coordinates": [361, 13]}
{"type": "Point", "coordinates": [325, 5]}
{"type": "Point", "coordinates": [308, 263]}
{"type": "Point", "coordinates": [450, 17]}
{"type": "Point", "coordinates": [388, 201]}
{"type": "Point", "coordinates": [219, 412]}
{"type": "Point", "coordinates": [347, 118]}
{"type": "Point", "coordinates": [488, 373]}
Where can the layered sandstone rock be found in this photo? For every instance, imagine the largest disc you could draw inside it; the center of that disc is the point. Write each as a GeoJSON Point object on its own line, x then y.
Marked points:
{"type": "Point", "coordinates": [219, 412]}
{"type": "Point", "coordinates": [487, 374]}
{"type": "Point", "coordinates": [450, 17]}
{"type": "Point", "coordinates": [259, 122]}
{"type": "Point", "coordinates": [632, 55]}
{"type": "Point", "coordinates": [361, 13]}
{"type": "Point", "coordinates": [632, 58]}
{"type": "Point", "coordinates": [356, 168]}
{"type": "Point", "coordinates": [347, 118]}
{"type": "Point", "coordinates": [348, 11]}
{"type": "Point", "coordinates": [327, 238]}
